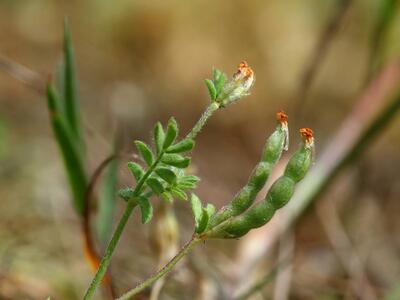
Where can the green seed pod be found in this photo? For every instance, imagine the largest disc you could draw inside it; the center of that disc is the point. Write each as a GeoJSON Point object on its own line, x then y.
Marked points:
{"type": "Point", "coordinates": [302, 159]}
{"type": "Point", "coordinates": [238, 226]}
{"type": "Point", "coordinates": [281, 192]}
{"type": "Point", "coordinates": [274, 146]}
{"type": "Point", "coordinates": [278, 195]}
{"type": "Point", "coordinates": [278, 141]}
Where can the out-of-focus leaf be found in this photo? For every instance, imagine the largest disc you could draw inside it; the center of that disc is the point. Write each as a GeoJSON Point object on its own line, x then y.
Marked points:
{"type": "Point", "coordinates": [388, 9]}
{"type": "Point", "coordinates": [107, 202]}
{"type": "Point", "coordinates": [70, 91]}
{"type": "Point", "coordinates": [386, 12]}
{"type": "Point", "coordinates": [72, 159]}
{"type": "Point", "coordinates": [393, 293]}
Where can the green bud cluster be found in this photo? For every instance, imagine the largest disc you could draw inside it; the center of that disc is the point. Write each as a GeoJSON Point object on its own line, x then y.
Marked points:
{"type": "Point", "coordinates": [223, 92]}
{"type": "Point", "coordinates": [275, 145]}
{"type": "Point", "coordinates": [277, 197]}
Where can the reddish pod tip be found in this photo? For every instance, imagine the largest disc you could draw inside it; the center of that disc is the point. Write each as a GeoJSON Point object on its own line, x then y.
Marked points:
{"type": "Point", "coordinates": [282, 117]}
{"type": "Point", "coordinates": [308, 135]}
{"type": "Point", "coordinates": [245, 74]}
{"type": "Point", "coordinates": [245, 70]}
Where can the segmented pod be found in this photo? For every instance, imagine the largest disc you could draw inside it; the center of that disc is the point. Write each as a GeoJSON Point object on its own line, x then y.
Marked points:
{"type": "Point", "coordinates": [278, 195]}
{"type": "Point", "coordinates": [274, 146]}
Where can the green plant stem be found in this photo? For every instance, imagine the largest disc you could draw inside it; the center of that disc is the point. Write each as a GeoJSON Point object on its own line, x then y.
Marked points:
{"type": "Point", "coordinates": [202, 121]}
{"type": "Point", "coordinates": [166, 269]}
{"type": "Point", "coordinates": [128, 211]}
{"type": "Point", "coordinates": [118, 232]}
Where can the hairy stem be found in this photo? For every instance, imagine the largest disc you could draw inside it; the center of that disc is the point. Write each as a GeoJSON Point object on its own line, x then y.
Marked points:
{"type": "Point", "coordinates": [202, 121]}
{"type": "Point", "coordinates": [166, 269]}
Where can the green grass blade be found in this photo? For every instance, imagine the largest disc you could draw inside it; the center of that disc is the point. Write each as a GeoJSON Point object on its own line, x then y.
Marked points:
{"type": "Point", "coordinates": [72, 160]}
{"type": "Point", "coordinates": [70, 94]}
{"type": "Point", "coordinates": [4, 147]}
{"type": "Point", "coordinates": [107, 202]}
{"type": "Point", "coordinates": [386, 12]}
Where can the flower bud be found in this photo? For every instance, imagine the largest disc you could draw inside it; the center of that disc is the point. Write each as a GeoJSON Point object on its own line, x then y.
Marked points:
{"type": "Point", "coordinates": [238, 86]}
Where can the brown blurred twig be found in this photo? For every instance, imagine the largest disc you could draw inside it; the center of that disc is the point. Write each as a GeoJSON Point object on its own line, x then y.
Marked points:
{"type": "Point", "coordinates": [321, 49]}
{"type": "Point", "coordinates": [284, 278]}
{"type": "Point", "coordinates": [350, 260]}
{"type": "Point", "coordinates": [376, 107]}
{"type": "Point", "coordinates": [205, 273]}
{"type": "Point", "coordinates": [23, 74]}
{"type": "Point", "coordinates": [282, 272]}
{"type": "Point", "coordinates": [265, 280]}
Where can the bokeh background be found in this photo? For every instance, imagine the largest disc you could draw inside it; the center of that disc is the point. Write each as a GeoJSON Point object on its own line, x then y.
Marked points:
{"type": "Point", "coordinates": [142, 61]}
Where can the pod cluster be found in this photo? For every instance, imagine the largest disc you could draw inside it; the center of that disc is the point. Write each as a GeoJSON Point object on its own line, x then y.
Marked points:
{"type": "Point", "coordinates": [241, 215]}
{"type": "Point", "coordinates": [275, 145]}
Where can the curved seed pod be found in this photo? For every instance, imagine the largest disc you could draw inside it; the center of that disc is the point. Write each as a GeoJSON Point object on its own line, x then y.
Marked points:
{"type": "Point", "coordinates": [238, 226]}
{"type": "Point", "coordinates": [303, 158]}
{"type": "Point", "coordinates": [274, 146]}
{"type": "Point", "coordinates": [278, 195]}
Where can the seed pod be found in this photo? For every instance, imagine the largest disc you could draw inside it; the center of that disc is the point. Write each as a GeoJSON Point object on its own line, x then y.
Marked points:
{"type": "Point", "coordinates": [238, 226]}
{"type": "Point", "coordinates": [274, 146]}
{"type": "Point", "coordinates": [280, 192]}
{"type": "Point", "coordinates": [278, 195]}
{"type": "Point", "coordinates": [302, 159]}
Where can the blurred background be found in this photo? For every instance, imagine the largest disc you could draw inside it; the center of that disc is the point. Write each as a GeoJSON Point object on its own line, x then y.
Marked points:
{"type": "Point", "coordinates": [143, 61]}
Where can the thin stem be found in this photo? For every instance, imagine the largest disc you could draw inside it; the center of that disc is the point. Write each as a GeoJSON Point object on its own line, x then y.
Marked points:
{"type": "Point", "coordinates": [166, 269]}
{"type": "Point", "coordinates": [110, 249]}
{"type": "Point", "coordinates": [93, 255]}
{"type": "Point", "coordinates": [128, 211]}
{"type": "Point", "coordinates": [202, 121]}
{"type": "Point", "coordinates": [118, 232]}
